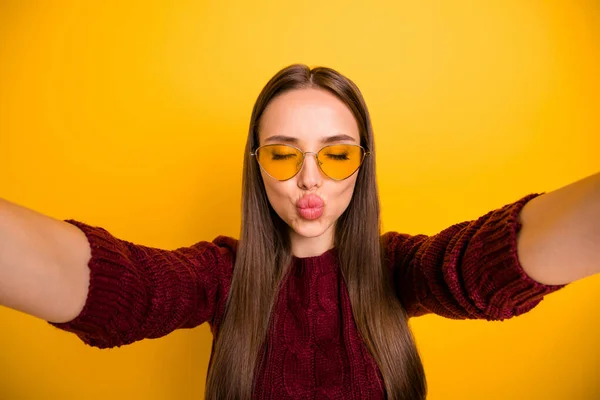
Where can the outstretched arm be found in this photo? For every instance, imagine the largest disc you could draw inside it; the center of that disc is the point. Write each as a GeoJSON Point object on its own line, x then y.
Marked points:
{"type": "Point", "coordinates": [559, 241]}
{"type": "Point", "coordinates": [502, 264]}
{"type": "Point", "coordinates": [43, 264]}
{"type": "Point", "coordinates": [108, 291]}
{"type": "Point", "coordinates": [470, 270]}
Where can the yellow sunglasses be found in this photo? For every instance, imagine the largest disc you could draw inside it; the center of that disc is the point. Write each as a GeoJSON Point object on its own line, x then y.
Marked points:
{"type": "Point", "coordinates": [283, 162]}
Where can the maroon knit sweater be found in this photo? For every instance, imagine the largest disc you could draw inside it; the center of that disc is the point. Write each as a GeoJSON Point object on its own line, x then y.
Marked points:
{"type": "Point", "coordinates": [469, 270]}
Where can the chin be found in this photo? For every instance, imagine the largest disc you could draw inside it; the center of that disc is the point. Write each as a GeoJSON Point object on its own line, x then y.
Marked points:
{"type": "Point", "coordinates": [309, 229]}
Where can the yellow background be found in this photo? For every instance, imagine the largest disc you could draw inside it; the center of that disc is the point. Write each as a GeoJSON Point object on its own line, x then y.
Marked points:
{"type": "Point", "coordinates": [121, 115]}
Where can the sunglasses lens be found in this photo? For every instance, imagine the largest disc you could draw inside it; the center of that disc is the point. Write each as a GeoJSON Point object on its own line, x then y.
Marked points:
{"type": "Point", "coordinates": [340, 161]}
{"type": "Point", "coordinates": [280, 161]}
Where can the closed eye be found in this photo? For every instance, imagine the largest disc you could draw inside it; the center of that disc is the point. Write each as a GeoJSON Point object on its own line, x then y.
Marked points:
{"type": "Point", "coordinates": [343, 156]}
{"type": "Point", "coordinates": [282, 156]}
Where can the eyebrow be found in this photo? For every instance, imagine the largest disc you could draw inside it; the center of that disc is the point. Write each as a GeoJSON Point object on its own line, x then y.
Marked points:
{"type": "Point", "coordinates": [327, 139]}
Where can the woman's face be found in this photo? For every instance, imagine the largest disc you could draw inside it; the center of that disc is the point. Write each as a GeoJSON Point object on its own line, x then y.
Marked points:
{"type": "Point", "coordinates": [305, 118]}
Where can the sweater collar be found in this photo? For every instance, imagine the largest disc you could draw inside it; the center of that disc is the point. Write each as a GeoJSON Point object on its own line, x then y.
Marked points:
{"type": "Point", "coordinates": [328, 258]}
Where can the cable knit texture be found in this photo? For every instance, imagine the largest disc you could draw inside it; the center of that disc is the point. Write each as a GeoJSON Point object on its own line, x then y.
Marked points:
{"type": "Point", "coordinates": [314, 350]}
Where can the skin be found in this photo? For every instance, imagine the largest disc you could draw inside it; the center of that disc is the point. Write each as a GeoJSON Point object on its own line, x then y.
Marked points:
{"type": "Point", "coordinates": [307, 117]}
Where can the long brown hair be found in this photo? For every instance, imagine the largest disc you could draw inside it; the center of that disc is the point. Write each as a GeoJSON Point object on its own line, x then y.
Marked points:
{"type": "Point", "coordinates": [264, 255]}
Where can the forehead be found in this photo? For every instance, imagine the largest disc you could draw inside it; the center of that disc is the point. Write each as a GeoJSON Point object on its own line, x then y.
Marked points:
{"type": "Point", "coordinates": [308, 115]}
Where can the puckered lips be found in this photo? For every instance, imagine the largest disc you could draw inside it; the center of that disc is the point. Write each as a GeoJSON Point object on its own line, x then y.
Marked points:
{"type": "Point", "coordinates": [310, 206]}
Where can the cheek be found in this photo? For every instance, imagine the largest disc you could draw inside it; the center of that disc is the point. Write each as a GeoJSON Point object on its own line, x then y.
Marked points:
{"type": "Point", "coordinates": [345, 195]}
{"type": "Point", "coordinates": [276, 192]}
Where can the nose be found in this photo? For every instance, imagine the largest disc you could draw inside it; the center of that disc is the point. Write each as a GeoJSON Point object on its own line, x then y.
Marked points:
{"type": "Point", "coordinates": [310, 175]}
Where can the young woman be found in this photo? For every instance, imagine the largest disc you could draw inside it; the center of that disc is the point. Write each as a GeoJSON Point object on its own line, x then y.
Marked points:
{"type": "Point", "coordinates": [312, 301]}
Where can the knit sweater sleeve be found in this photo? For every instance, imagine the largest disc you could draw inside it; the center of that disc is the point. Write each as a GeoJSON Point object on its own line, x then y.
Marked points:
{"type": "Point", "coordinates": [468, 271]}
{"type": "Point", "coordinates": [138, 292]}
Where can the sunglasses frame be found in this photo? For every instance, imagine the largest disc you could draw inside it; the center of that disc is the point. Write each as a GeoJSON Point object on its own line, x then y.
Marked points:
{"type": "Point", "coordinates": [304, 153]}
